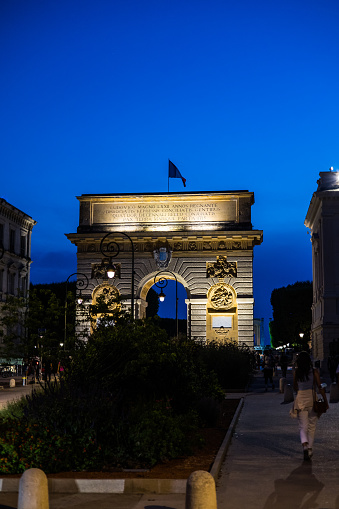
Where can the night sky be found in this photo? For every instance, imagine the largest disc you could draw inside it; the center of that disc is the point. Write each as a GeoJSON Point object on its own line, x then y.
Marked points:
{"type": "Point", "coordinates": [96, 96]}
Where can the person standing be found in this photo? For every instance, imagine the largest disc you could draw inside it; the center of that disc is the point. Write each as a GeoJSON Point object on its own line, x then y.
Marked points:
{"type": "Point", "coordinates": [268, 367]}
{"type": "Point", "coordinates": [305, 380]}
{"type": "Point", "coordinates": [283, 364]}
{"type": "Point", "coordinates": [257, 360]}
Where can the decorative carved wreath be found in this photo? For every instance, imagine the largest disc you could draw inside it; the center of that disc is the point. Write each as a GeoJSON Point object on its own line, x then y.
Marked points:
{"type": "Point", "coordinates": [221, 296]}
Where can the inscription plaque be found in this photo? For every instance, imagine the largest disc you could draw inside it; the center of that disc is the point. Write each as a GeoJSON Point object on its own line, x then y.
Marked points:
{"type": "Point", "coordinates": [172, 212]}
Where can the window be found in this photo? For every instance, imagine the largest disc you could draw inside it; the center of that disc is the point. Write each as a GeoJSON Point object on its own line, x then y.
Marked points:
{"type": "Point", "coordinates": [12, 241]}
{"type": "Point", "coordinates": [23, 244]}
{"type": "Point", "coordinates": [23, 288]}
{"type": "Point", "coordinates": [11, 283]}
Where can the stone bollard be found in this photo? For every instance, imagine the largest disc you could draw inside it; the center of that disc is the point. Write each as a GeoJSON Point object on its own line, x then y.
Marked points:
{"type": "Point", "coordinates": [33, 490]}
{"type": "Point", "coordinates": [334, 393]}
{"type": "Point", "coordinates": [282, 383]}
{"type": "Point", "coordinates": [200, 491]}
{"type": "Point", "coordinates": [12, 382]}
{"type": "Point", "coordinates": [288, 393]}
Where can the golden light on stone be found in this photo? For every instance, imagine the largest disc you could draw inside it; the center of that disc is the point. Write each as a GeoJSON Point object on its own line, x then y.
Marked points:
{"type": "Point", "coordinates": [199, 229]}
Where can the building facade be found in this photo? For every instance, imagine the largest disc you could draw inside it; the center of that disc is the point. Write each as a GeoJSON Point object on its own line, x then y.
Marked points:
{"type": "Point", "coordinates": [15, 251]}
{"type": "Point", "coordinates": [203, 241]}
{"type": "Point", "coordinates": [323, 221]}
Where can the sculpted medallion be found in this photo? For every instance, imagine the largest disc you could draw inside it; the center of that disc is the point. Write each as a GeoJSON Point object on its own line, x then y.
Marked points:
{"type": "Point", "coordinates": [221, 296]}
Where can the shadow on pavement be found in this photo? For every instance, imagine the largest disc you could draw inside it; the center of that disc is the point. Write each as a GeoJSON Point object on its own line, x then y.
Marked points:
{"type": "Point", "coordinates": [293, 491]}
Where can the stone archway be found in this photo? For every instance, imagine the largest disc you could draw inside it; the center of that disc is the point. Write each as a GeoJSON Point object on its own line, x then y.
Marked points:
{"type": "Point", "coordinates": [205, 239]}
{"type": "Point", "coordinates": [147, 283]}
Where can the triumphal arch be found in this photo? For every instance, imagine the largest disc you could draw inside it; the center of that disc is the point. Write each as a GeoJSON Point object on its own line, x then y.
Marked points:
{"type": "Point", "coordinates": [204, 240]}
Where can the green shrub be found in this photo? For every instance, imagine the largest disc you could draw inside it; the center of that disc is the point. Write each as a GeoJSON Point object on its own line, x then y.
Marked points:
{"type": "Point", "coordinates": [25, 446]}
{"type": "Point", "coordinates": [232, 364]}
{"type": "Point", "coordinates": [129, 398]}
{"type": "Point", "coordinates": [156, 434]}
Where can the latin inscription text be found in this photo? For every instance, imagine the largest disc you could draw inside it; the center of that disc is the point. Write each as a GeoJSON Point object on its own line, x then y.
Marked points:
{"type": "Point", "coordinates": [164, 212]}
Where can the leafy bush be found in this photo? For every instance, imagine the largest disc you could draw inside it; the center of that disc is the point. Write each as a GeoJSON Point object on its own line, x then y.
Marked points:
{"type": "Point", "coordinates": [232, 364]}
{"type": "Point", "coordinates": [61, 429]}
{"type": "Point", "coordinates": [141, 363]}
{"type": "Point", "coordinates": [158, 434]}
{"type": "Point", "coordinates": [25, 446]}
{"type": "Point", "coordinates": [130, 397]}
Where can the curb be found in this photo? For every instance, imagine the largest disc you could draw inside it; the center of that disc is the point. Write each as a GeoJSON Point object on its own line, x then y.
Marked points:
{"type": "Point", "coordinates": [123, 486]}
{"type": "Point", "coordinates": [216, 467]}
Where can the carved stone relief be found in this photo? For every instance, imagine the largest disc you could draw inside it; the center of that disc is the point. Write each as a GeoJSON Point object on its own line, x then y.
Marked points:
{"type": "Point", "coordinates": [105, 290]}
{"type": "Point", "coordinates": [162, 254]}
{"type": "Point", "coordinates": [222, 296]}
{"type": "Point", "coordinates": [221, 268]}
{"type": "Point", "coordinates": [99, 270]}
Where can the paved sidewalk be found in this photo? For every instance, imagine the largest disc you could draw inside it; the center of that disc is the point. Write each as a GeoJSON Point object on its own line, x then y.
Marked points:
{"type": "Point", "coordinates": [8, 394]}
{"type": "Point", "coordinates": [263, 468]}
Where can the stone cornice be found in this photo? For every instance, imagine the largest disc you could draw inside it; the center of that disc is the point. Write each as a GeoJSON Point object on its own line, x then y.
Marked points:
{"type": "Point", "coordinates": [90, 243]}
{"type": "Point", "coordinates": [316, 204]}
{"type": "Point", "coordinates": [18, 217]}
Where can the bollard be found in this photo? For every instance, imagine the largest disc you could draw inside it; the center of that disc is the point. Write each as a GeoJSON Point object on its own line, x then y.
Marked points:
{"type": "Point", "coordinates": [24, 380]}
{"type": "Point", "coordinates": [12, 382]}
{"type": "Point", "coordinates": [200, 491]}
{"type": "Point", "coordinates": [288, 393]}
{"type": "Point", "coordinates": [282, 383]}
{"type": "Point", "coordinates": [33, 490]}
{"type": "Point", "coordinates": [334, 393]}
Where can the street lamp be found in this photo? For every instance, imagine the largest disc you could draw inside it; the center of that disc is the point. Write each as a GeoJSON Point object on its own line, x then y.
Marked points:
{"type": "Point", "coordinates": [162, 283]}
{"type": "Point", "coordinates": [80, 284]}
{"type": "Point", "coordinates": [111, 250]}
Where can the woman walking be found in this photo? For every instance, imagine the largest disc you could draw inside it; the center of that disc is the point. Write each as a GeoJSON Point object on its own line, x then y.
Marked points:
{"type": "Point", "coordinates": [305, 381]}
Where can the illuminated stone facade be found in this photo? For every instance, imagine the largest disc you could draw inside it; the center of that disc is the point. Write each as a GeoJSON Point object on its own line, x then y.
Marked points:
{"type": "Point", "coordinates": [323, 221]}
{"type": "Point", "coordinates": [205, 239]}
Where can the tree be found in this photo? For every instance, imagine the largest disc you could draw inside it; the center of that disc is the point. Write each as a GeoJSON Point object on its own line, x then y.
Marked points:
{"type": "Point", "coordinates": [35, 326]}
{"type": "Point", "coordinates": [13, 330]}
{"type": "Point", "coordinates": [292, 314]}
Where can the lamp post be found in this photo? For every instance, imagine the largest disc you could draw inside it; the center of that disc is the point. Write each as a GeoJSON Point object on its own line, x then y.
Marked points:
{"type": "Point", "coordinates": [80, 284]}
{"type": "Point", "coordinates": [111, 250]}
{"type": "Point", "coordinates": [162, 283]}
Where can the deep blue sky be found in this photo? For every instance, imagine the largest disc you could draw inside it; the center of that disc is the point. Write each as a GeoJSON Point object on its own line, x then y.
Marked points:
{"type": "Point", "coordinates": [97, 95]}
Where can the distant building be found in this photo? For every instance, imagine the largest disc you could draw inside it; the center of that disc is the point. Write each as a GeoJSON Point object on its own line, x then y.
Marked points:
{"type": "Point", "coordinates": [15, 251]}
{"type": "Point", "coordinates": [259, 336]}
{"type": "Point", "coordinates": [323, 221]}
